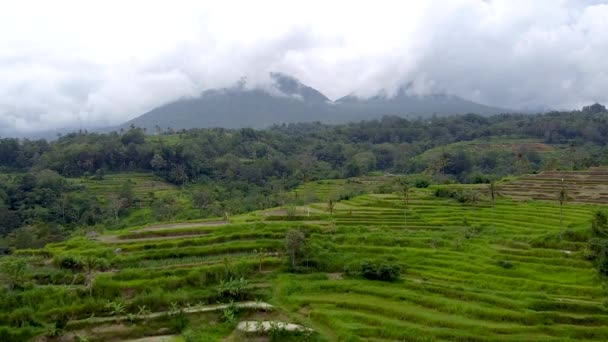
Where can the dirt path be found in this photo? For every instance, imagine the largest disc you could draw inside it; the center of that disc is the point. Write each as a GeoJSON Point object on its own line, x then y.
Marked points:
{"type": "Point", "coordinates": [182, 225]}
{"type": "Point", "coordinates": [207, 262]}
{"type": "Point", "coordinates": [190, 310]}
{"type": "Point", "coordinates": [263, 326]}
{"type": "Point", "coordinates": [117, 239]}
{"type": "Point", "coordinates": [164, 338]}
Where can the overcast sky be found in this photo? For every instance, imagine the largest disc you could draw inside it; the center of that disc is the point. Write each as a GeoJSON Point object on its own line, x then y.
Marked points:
{"type": "Point", "coordinates": [83, 63]}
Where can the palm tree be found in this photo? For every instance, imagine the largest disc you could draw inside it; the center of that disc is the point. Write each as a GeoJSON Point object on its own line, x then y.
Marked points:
{"type": "Point", "coordinates": [474, 201]}
{"type": "Point", "coordinates": [330, 208]}
{"type": "Point", "coordinates": [405, 189]}
{"type": "Point", "coordinates": [562, 198]}
{"type": "Point", "coordinates": [493, 193]}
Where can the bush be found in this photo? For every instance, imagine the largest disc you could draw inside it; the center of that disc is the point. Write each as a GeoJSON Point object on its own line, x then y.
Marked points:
{"type": "Point", "coordinates": [179, 322]}
{"type": "Point", "coordinates": [383, 271]}
{"type": "Point", "coordinates": [505, 264]}
{"type": "Point", "coordinates": [68, 262]}
{"type": "Point", "coordinates": [462, 196]}
{"type": "Point", "coordinates": [235, 288]}
{"type": "Point", "coordinates": [421, 183]}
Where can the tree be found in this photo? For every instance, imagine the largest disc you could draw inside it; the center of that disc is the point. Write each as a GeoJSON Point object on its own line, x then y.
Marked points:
{"type": "Point", "coordinates": [89, 264]}
{"type": "Point", "coordinates": [179, 174]}
{"type": "Point", "coordinates": [201, 199]}
{"type": "Point", "coordinates": [133, 136]}
{"type": "Point", "coordinates": [116, 204]}
{"type": "Point", "coordinates": [594, 108]}
{"type": "Point", "coordinates": [260, 254]}
{"type": "Point", "coordinates": [474, 200]}
{"type": "Point", "coordinates": [127, 194]}
{"type": "Point", "coordinates": [13, 272]}
{"type": "Point", "coordinates": [158, 162]}
{"type": "Point", "coordinates": [562, 197]}
{"type": "Point", "coordinates": [165, 208]}
{"type": "Point", "coordinates": [9, 219]}
{"type": "Point", "coordinates": [99, 174]}
{"type": "Point", "coordinates": [493, 193]}
{"type": "Point", "coordinates": [599, 224]}
{"type": "Point", "coordinates": [294, 242]}
{"type": "Point", "coordinates": [405, 192]}
{"type": "Point", "coordinates": [331, 209]}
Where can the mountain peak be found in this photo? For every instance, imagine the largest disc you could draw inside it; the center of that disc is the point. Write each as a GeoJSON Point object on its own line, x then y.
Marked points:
{"type": "Point", "coordinates": [291, 86]}
{"type": "Point", "coordinates": [285, 99]}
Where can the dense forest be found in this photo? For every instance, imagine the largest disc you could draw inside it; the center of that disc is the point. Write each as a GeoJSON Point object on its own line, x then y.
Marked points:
{"type": "Point", "coordinates": [246, 169]}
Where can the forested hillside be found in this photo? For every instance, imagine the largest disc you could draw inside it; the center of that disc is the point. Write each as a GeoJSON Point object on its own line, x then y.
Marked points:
{"type": "Point", "coordinates": [45, 187]}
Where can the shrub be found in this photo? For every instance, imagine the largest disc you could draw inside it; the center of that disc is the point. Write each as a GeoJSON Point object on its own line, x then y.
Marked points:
{"type": "Point", "coordinates": [421, 183]}
{"type": "Point", "coordinates": [587, 253]}
{"type": "Point", "coordinates": [230, 314]}
{"type": "Point", "coordinates": [235, 288]}
{"type": "Point", "coordinates": [383, 271]}
{"type": "Point", "coordinates": [505, 264]}
{"type": "Point", "coordinates": [68, 262]}
{"type": "Point", "coordinates": [599, 224]}
{"type": "Point", "coordinates": [462, 196]}
{"type": "Point", "coordinates": [179, 322]}
{"type": "Point", "coordinates": [444, 192]}
{"type": "Point", "coordinates": [23, 316]}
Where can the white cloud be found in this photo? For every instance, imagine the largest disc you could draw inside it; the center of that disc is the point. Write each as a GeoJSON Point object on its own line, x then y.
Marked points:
{"type": "Point", "coordinates": [75, 63]}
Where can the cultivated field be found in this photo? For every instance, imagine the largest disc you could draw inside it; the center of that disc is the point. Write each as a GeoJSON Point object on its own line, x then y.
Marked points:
{"type": "Point", "coordinates": [143, 184]}
{"type": "Point", "coordinates": [590, 186]}
{"type": "Point", "coordinates": [468, 273]}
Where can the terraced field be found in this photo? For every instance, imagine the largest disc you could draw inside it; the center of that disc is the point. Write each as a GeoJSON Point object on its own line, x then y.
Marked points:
{"type": "Point", "coordinates": [143, 184]}
{"type": "Point", "coordinates": [590, 186]}
{"type": "Point", "coordinates": [323, 190]}
{"type": "Point", "coordinates": [467, 274]}
{"type": "Point", "coordinates": [454, 287]}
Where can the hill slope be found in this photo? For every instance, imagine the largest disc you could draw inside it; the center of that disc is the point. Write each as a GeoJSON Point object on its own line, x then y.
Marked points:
{"type": "Point", "coordinates": [287, 100]}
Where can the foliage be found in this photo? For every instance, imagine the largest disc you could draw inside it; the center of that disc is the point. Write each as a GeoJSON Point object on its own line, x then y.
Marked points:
{"type": "Point", "coordinates": [242, 170]}
{"type": "Point", "coordinates": [598, 244]}
{"type": "Point", "coordinates": [380, 270]}
{"type": "Point", "coordinates": [13, 272]}
{"type": "Point", "coordinates": [231, 313]}
{"type": "Point", "coordinates": [115, 308]}
{"type": "Point", "coordinates": [234, 288]}
{"type": "Point", "coordinates": [294, 243]}
{"type": "Point", "coordinates": [459, 194]}
{"type": "Point", "coordinates": [505, 264]}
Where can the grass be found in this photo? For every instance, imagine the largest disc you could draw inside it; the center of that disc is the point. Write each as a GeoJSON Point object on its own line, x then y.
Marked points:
{"type": "Point", "coordinates": [461, 279]}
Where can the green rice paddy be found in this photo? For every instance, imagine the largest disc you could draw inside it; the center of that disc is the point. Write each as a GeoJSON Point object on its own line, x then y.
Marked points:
{"type": "Point", "coordinates": [469, 272]}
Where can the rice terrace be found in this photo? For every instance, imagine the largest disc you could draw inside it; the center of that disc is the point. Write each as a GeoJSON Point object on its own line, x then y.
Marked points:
{"type": "Point", "coordinates": [442, 262]}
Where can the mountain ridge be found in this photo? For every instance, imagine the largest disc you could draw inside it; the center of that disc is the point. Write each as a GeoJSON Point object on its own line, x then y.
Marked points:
{"type": "Point", "coordinates": [287, 100]}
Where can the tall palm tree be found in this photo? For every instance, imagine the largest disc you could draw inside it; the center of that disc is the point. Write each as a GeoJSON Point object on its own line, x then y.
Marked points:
{"type": "Point", "coordinates": [405, 188]}
{"type": "Point", "coordinates": [493, 193]}
{"type": "Point", "coordinates": [562, 198]}
{"type": "Point", "coordinates": [331, 208]}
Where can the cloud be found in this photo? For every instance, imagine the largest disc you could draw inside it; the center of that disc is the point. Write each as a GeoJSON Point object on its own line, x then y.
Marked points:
{"type": "Point", "coordinates": [82, 64]}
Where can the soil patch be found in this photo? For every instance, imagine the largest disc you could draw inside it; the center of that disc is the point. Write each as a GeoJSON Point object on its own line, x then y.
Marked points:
{"type": "Point", "coordinates": [183, 225]}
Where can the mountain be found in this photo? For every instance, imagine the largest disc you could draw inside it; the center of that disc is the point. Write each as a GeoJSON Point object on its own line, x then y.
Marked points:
{"type": "Point", "coordinates": [404, 104]}
{"type": "Point", "coordinates": [286, 100]}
